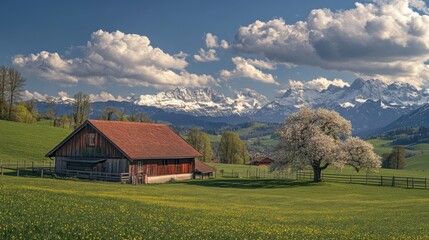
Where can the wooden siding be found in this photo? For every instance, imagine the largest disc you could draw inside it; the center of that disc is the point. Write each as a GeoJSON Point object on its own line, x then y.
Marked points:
{"type": "Point", "coordinates": [108, 166]}
{"type": "Point", "coordinates": [78, 146]}
{"type": "Point", "coordinates": [162, 167]}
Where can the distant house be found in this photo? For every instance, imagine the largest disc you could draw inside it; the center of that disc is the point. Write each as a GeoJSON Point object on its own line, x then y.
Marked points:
{"type": "Point", "coordinates": [261, 161]}
{"type": "Point", "coordinates": [142, 152]}
{"type": "Point", "coordinates": [203, 171]}
{"type": "Point", "coordinates": [214, 161]}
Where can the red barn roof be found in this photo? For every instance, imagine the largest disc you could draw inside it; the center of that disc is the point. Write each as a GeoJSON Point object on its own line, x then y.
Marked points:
{"type": "Point", "coordinates": [260, 160]}
{"type": "Point", "coordinates": [138, 140]}
{"type": "Point", "coordinates": [203, 168]}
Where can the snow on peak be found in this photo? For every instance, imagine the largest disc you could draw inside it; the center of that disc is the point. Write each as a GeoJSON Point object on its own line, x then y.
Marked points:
{"type": "Point", "coordinates": [205, 101]}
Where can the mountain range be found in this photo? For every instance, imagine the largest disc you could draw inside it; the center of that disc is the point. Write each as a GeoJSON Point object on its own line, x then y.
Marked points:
{"type": "Point", "coordinates": [368, 104]}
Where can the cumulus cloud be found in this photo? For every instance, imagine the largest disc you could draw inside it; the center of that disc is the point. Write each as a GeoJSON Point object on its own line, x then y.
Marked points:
{"type": "Point", "coordinates": [101, 97]}
{"type": "Point", "coordinates": [115, 57]}
{"type": "Point", "coordinates": [248, 68]}
{"type": "Point", "coordinates": [420, 5]}
{"type": "Point", "coordinates": [317, 84]}
{"type": "Point", "coordinates": [105, 96]}
{"type": "Point", "coordinates": [27, 95]}
{"type": "Point", "coordinates": [206, 56]}
{"type": "Point", "coordinates": [211, 41]}
{"type": "Point", "coordinates": [386, 39]}
{"type": "Point", "coordinates": [224, 44]}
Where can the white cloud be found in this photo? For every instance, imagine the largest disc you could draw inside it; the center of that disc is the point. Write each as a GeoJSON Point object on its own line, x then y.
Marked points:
{"type": "Point", "coordinates": [248, 68]}
{"type": "Point", "coordinates": [26, 95]}
{"type": "Point", "coordinates": [317, 84]}
{"type": "Point", "coordinates": [224, 44]}
{"type": "Point", "coordinates": [105, 96]}
{"type": "Point", "coordinates": [386, 39]}
{"type": "Point", "coordinates": [419, 5]}
{"type": "Point", "coordinates": [62, 96]}
{"type": "Point", "coordinates": [206, 56]}
{"type": "Point", "coordinates": [115, 57]}
{"type": "Point", "coordinates": [211, 40]}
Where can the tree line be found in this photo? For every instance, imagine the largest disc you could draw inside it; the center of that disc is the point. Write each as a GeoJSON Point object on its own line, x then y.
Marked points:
{"type": "Point", "coordinates": [231, 150]}
{"type": "Point", "coordinates": [82, 111]}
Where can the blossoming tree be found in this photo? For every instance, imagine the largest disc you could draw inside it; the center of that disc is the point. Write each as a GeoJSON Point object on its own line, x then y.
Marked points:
{"type": "Point", "coordinates": [321, 138]}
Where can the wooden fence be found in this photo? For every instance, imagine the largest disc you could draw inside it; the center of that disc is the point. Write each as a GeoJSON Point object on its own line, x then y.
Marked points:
{"type": "Point", "coordinates": [377, 180]}
{"type": "Point", "coordinates": [43, 168]}
{"type": "Point", "coordinates": [393, 181]}
{"type": "Point", "coordinates": [26, 167]}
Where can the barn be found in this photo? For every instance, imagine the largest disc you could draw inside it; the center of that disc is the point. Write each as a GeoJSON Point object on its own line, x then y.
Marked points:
{"type": "Point", "coordinates": [203, 171]}
{"type": "Point", "coordinates": [125, 151]}
{"type": "Point", "coordinates": [261, 161]}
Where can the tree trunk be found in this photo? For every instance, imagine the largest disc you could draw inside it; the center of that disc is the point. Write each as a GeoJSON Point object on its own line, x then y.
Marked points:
{"type": "Point", "coordinates": [317, 174]}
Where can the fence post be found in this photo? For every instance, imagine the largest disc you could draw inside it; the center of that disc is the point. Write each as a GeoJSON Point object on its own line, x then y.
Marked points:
{"type": "Point", "coordinates": [407, 182]}
{"type": "Point", "coordinates": [393, 181]}
{"type": "Point", "coordinates": [1, 168]}
{"type": "Point", "coordinates": [17, 171]}
{"type": "Point", "coordinates": [381, 180]}
{"type": "Point", "coordinates": [32, 166]}
{"type": "Point", "coordinates": [366, 179]}
{"type": "Point", "coordinates": [41, 173]}
{"type": "Point", "coordinates": [350, 181]}
{"type": "Point", "coordinates": [425, 182]}
{"type": "Point", "coordinates": [50, 167]}
{"type": "Point", "coordinates": [412, 182]}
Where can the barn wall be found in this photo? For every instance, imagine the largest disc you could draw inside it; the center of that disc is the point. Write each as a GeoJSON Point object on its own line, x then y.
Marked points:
{"type": "Point", "coordinates": [160, 167]}
{"type": "Point", "coordinates": [78, 146]}
{"type": "Point", "coordinates": [108, 166]}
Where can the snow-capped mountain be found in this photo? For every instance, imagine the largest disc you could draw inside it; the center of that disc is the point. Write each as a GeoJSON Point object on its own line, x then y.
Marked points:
{"type": "Point", "coordinates": [204, 102]}
{"type": "Point", "coordinates": [368, 104]}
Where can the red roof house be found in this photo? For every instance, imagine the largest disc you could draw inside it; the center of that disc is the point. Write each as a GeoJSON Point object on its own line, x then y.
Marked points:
{"type": "Point", "coordinates": [144, 152]}
{"type": "Point", "coordinates": [203, 170]}
{"type": "Point", "coordinates": [261, 161]}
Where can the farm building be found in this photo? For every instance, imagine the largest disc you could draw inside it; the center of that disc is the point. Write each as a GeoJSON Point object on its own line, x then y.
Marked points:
{"type": "Point", "coordinates": [261, 161]}
{"type": "Point", "coordinates": [203, 171]}
{"type": "Point", "coordinates": [141, 152]}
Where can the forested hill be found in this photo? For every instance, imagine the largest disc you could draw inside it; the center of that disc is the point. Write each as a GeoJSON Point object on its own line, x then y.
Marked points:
{"type": "Point", "coordinates": [407, 135]}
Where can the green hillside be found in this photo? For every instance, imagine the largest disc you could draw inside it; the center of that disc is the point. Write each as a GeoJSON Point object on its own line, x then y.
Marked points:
{"type": "Point", "coordinates": [420, 153]}
{"type": "Point", "coordinates": [28, 142]}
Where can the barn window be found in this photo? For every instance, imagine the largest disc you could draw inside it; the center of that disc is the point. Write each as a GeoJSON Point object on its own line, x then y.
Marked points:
{"type": "Point", "coordinates": [139, 166]}
{"type": "Point", "coordinates": [91, 139]}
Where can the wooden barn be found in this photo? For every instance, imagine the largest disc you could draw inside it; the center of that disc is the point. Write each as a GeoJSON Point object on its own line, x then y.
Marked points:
{"type": "Point", "coordinates": [261, 161]}
{"type": "Point", "coordinates": [125, 151]}
{"type": "Point", "coordinates": [203, 171]}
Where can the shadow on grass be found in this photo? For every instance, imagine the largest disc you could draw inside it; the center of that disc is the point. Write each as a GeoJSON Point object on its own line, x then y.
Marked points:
{"type": "Point", "coordinates": [250, 183]}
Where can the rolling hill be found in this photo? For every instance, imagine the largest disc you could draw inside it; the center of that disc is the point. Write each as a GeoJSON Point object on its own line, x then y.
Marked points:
{"type": "Point", "coordinates": [28, 142]}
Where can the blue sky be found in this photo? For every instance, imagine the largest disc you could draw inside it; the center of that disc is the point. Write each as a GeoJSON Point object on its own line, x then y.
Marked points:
{"type": "Point", "coordinates": [72, 46]}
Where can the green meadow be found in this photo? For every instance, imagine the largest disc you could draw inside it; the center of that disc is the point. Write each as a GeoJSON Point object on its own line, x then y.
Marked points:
{"type": "Point", "coordinates": [35, 208]}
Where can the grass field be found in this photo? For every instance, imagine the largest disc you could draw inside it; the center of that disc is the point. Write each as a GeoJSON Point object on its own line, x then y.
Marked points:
{"type": "Point", "coordinates": [28, 142]}
{"type": "Point", "coordinates": [35, 208]}
{"type": "Point", "coordinates": [418, 162]}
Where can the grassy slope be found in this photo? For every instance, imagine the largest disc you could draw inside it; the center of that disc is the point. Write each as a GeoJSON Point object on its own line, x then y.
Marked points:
{"type": "Point", "coordinates": [28, 142]}
{"type": "Point", "coordinates": [213, 209]}
{"type": "Point", "coordinates": [418, 162]}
